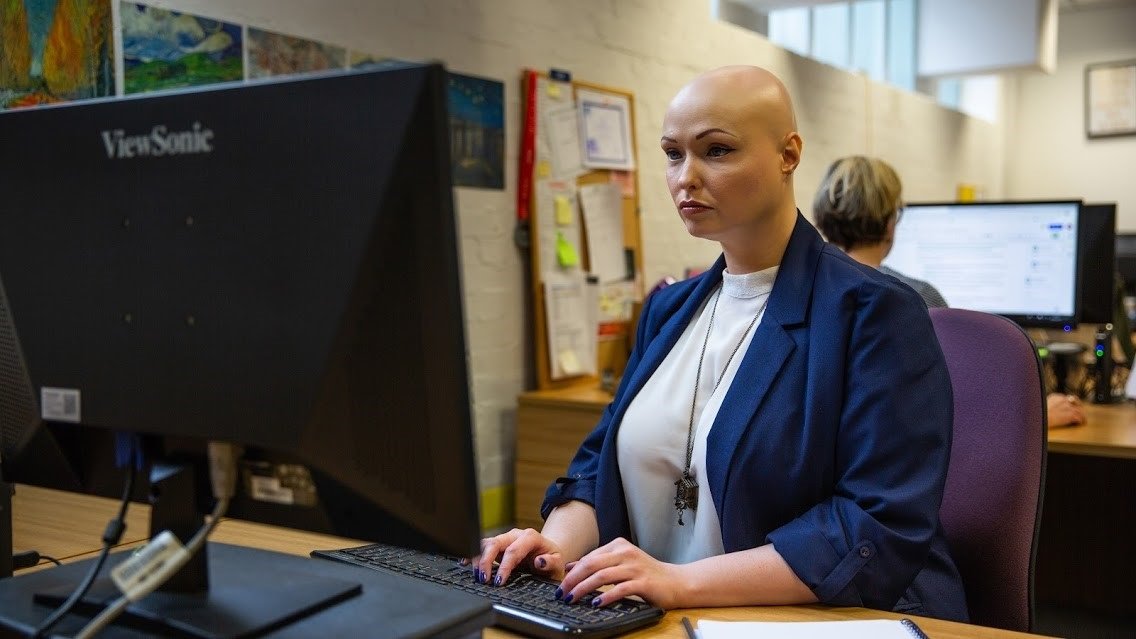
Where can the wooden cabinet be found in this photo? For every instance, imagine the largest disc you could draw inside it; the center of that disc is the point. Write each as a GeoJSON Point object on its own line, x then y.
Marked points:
{"type": "Point", "coordinates": [550, 426]}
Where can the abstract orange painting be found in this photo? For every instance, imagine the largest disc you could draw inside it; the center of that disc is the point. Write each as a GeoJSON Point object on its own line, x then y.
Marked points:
{"type": "Point", "coordinates": [55, 51]}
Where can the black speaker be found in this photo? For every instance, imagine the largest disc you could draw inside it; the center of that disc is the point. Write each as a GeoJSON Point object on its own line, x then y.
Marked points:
{"type": "Point", "coordinates": [1102, 371]}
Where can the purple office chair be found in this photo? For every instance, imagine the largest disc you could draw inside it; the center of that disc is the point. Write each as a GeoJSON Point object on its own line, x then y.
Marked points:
{"type": "Point", "coordinates": [991, 508]}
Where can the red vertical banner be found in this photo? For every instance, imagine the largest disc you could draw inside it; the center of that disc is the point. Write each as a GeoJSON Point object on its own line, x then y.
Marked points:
{"type": "Point", "coordinates": [528, 154]}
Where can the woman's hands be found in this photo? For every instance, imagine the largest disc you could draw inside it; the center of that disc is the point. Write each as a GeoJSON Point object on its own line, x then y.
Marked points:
{"type": "Point", "coordinates": [526, 548]}
{"type": "Point", "coordinates": [620, 564]}
{"type": "Point", "coordinates": [629, 571]}
{"type": "Point", "coordinates": [570, 532]}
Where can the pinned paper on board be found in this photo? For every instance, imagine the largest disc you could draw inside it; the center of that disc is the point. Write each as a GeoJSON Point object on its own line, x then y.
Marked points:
{"type": "Point", "coordinates": [557, 221]}
{"type": "Point", "coordinates": [603, 220]}
{"type": "Point", "coordinates": [605, 129]}
{"type": "Point", "coordinates": [570, 306]}
{"type": "Point", "coordinates": [563, 143]}
{"type": "Point", "coordinates": [569, 363]}
{"type": "Point", "coordinates": [563, 210]}
{"type": "Point", "coordinates": [566, 254]}
{"type": "Point", "coordinates": [615, 301]}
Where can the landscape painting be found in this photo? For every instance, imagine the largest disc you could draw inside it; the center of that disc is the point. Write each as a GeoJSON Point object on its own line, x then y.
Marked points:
{"type": "Point", "coordinates": [272, 54]}
{"type": "Point", "coordinates": [164, 49]}
{"type": "Point", "coordinates": [477, 131]}
{"type": "Point", "coordinates": [55, 51]}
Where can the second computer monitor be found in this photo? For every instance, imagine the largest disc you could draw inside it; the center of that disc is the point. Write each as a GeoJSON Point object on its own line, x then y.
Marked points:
{"type": "Point", "coordinates": [1017, 259]}
{"type": "Point", "coordinates": [1098, 263]}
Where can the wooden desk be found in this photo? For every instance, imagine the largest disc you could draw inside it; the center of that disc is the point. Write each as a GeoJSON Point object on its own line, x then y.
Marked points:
{"type": "Point", "coordinates": [67, 525]}
{"type": "Point", "coordinates": [1110, 431]}
{"type": "Point", "coordinates": [38, 511]}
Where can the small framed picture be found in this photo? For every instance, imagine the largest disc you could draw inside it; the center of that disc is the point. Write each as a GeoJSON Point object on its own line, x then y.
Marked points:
{"type": "Point", "coordinates": [1110, 99]}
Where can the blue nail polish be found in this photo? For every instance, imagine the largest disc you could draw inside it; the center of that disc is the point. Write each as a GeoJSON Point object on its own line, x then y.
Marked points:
{"type": "Point", "coordinates": [568, 598]}
{"type": "Point", "coordinates": [541, 562]}
{"type": "Point", "coordinates": [484, 577]}
{"type": "Point", "coordinates": [597, 602]}
{"type": "Point", "coordinates": [497, 580]}
{"type": "Point", "coordinates": [558, 594]}
{"type": "Point", "coordinates": [477, 574]}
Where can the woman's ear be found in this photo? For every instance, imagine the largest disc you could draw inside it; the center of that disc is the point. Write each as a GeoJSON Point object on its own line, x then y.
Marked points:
{"type": "Point", "coordinates": [791, 153]}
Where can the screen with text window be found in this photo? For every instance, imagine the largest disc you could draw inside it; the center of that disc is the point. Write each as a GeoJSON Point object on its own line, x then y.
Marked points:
{"type": "Point", "coordinates": [1017, 259]}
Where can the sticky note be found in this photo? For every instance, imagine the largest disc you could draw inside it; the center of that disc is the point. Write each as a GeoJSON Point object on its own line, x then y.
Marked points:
{"type": "Point", "coordinates": [565, 252]}
{"type": "Point", "coordinates": [563, 211]}
{"type": "Point", "coordinates": [543, 169]}
{"type": "Point", "coordinates": [569, 363]}
{"type": "Point", "coordinates": [553, 90]}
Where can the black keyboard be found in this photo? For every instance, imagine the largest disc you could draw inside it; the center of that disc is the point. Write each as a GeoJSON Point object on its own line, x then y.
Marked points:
{"type": "Point", "coordinates": [525, 604]}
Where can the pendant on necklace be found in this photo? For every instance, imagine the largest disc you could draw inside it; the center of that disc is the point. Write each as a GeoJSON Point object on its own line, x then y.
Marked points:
{"type": "Point", "coordinates": [686, 495]}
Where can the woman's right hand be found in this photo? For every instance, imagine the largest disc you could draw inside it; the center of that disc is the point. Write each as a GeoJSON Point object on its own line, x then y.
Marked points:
{"type": "Point", "coordinates": [527, 548]}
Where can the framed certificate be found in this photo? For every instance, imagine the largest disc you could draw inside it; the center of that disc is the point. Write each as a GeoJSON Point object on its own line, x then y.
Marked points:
{"type": "Point", "coordinates": [1110, 99]}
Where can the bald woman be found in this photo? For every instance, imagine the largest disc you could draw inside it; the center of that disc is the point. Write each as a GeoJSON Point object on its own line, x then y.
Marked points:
{"type": "Point", "coordinates": [781, 432]}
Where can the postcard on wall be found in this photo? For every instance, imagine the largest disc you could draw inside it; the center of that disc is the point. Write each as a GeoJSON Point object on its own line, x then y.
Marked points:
{"type": "Point", "coordinates": [164, 49]}
{"type": "Point", "coordinates": [477, 131]}
{"type": "Point", "coordinates": [273, 54]}
{"type": "Point", "coordinates": [605, 130]}
{"type": "Point", "coordinates": [55, 51]}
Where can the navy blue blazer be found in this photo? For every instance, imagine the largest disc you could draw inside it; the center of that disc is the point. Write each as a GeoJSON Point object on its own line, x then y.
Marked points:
{"type": "Point", "coordinates": [831, 442]}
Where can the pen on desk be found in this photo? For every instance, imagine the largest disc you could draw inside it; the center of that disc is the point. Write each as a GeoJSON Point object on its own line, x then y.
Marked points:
{"type": "Point", "coordinates": [690, 634]}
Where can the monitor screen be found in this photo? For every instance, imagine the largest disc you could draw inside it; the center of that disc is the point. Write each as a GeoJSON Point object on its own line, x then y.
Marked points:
{"type": "Point", "coordinates": [1098, 262]}
{"type": "Point", "coordinates": [1017, 259]}
{"type": "Point", "coordinates": [272, 264]}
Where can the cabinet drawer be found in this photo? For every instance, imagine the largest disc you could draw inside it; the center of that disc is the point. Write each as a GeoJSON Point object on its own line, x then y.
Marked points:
{"type": "Point", "coordinates": [552, 436]}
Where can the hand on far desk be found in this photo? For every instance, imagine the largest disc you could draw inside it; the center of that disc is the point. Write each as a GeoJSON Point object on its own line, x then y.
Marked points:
{"type": "Point", "coordinates": [1064, 410]}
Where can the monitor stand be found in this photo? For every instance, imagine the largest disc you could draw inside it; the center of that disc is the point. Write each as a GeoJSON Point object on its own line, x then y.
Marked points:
{"type": "Point", "coordinates": [253, 592]}
{"type": "Point", "coordinates": [244, 593]}
{"type": "Point", "coordinates": [232, 591]}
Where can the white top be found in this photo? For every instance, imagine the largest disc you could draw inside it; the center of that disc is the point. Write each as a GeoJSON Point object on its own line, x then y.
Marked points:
{"type": "Point", "coordinates": [651, 441]}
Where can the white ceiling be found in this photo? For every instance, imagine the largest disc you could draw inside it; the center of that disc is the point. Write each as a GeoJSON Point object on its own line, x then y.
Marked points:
{"type": "Point", "coordinates": [765, 6]}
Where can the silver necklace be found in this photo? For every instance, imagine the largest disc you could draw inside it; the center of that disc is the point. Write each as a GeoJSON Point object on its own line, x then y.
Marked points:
{"type": "Point", "coordinates": [686, 488]}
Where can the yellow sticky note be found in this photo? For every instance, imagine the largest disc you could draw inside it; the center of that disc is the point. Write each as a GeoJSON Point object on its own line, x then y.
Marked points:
{"type": "Point", "coordinates": [543, 169]}
{"type": "Point", "coordinates": [563, 211]}
{"type": "Point", "coordinates": [553, 90]}
{"type": "Point", "coordinates": [565, 252]}
{"type": "Point", "coordinates": [569, 363]}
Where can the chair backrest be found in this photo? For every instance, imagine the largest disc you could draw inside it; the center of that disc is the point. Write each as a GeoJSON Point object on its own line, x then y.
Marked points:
{"type": "Point", "coordinates": [992, 502]}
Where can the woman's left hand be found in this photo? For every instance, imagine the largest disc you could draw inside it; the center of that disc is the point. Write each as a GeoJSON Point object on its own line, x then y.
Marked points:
{"type": "Point", "coordinates": [629, 571]}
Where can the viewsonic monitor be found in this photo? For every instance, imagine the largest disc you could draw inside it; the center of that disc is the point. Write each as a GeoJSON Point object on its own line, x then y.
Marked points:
{"type": "Point", "coordinates": [1017, 259]}
{"type": "Point", "coordinates": [273, 264]}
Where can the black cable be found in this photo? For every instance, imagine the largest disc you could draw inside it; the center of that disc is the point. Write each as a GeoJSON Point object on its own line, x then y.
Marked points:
{"type": "Point", "coordinates": [29, 558]}
{"type": "Point", "coordinates": [111, 536]}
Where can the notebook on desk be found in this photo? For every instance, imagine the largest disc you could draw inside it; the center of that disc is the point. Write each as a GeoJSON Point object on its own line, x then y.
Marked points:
{"type": "Point", "coordinates": [853, 629]}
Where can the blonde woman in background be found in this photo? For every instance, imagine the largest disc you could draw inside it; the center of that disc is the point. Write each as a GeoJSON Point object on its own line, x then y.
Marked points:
{"type": "Point", "coordinates": [857, 207]}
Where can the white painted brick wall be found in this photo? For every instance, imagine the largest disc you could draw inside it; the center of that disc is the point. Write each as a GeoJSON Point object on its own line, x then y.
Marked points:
{"type": "Point", "coordinates": [651, 48]}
